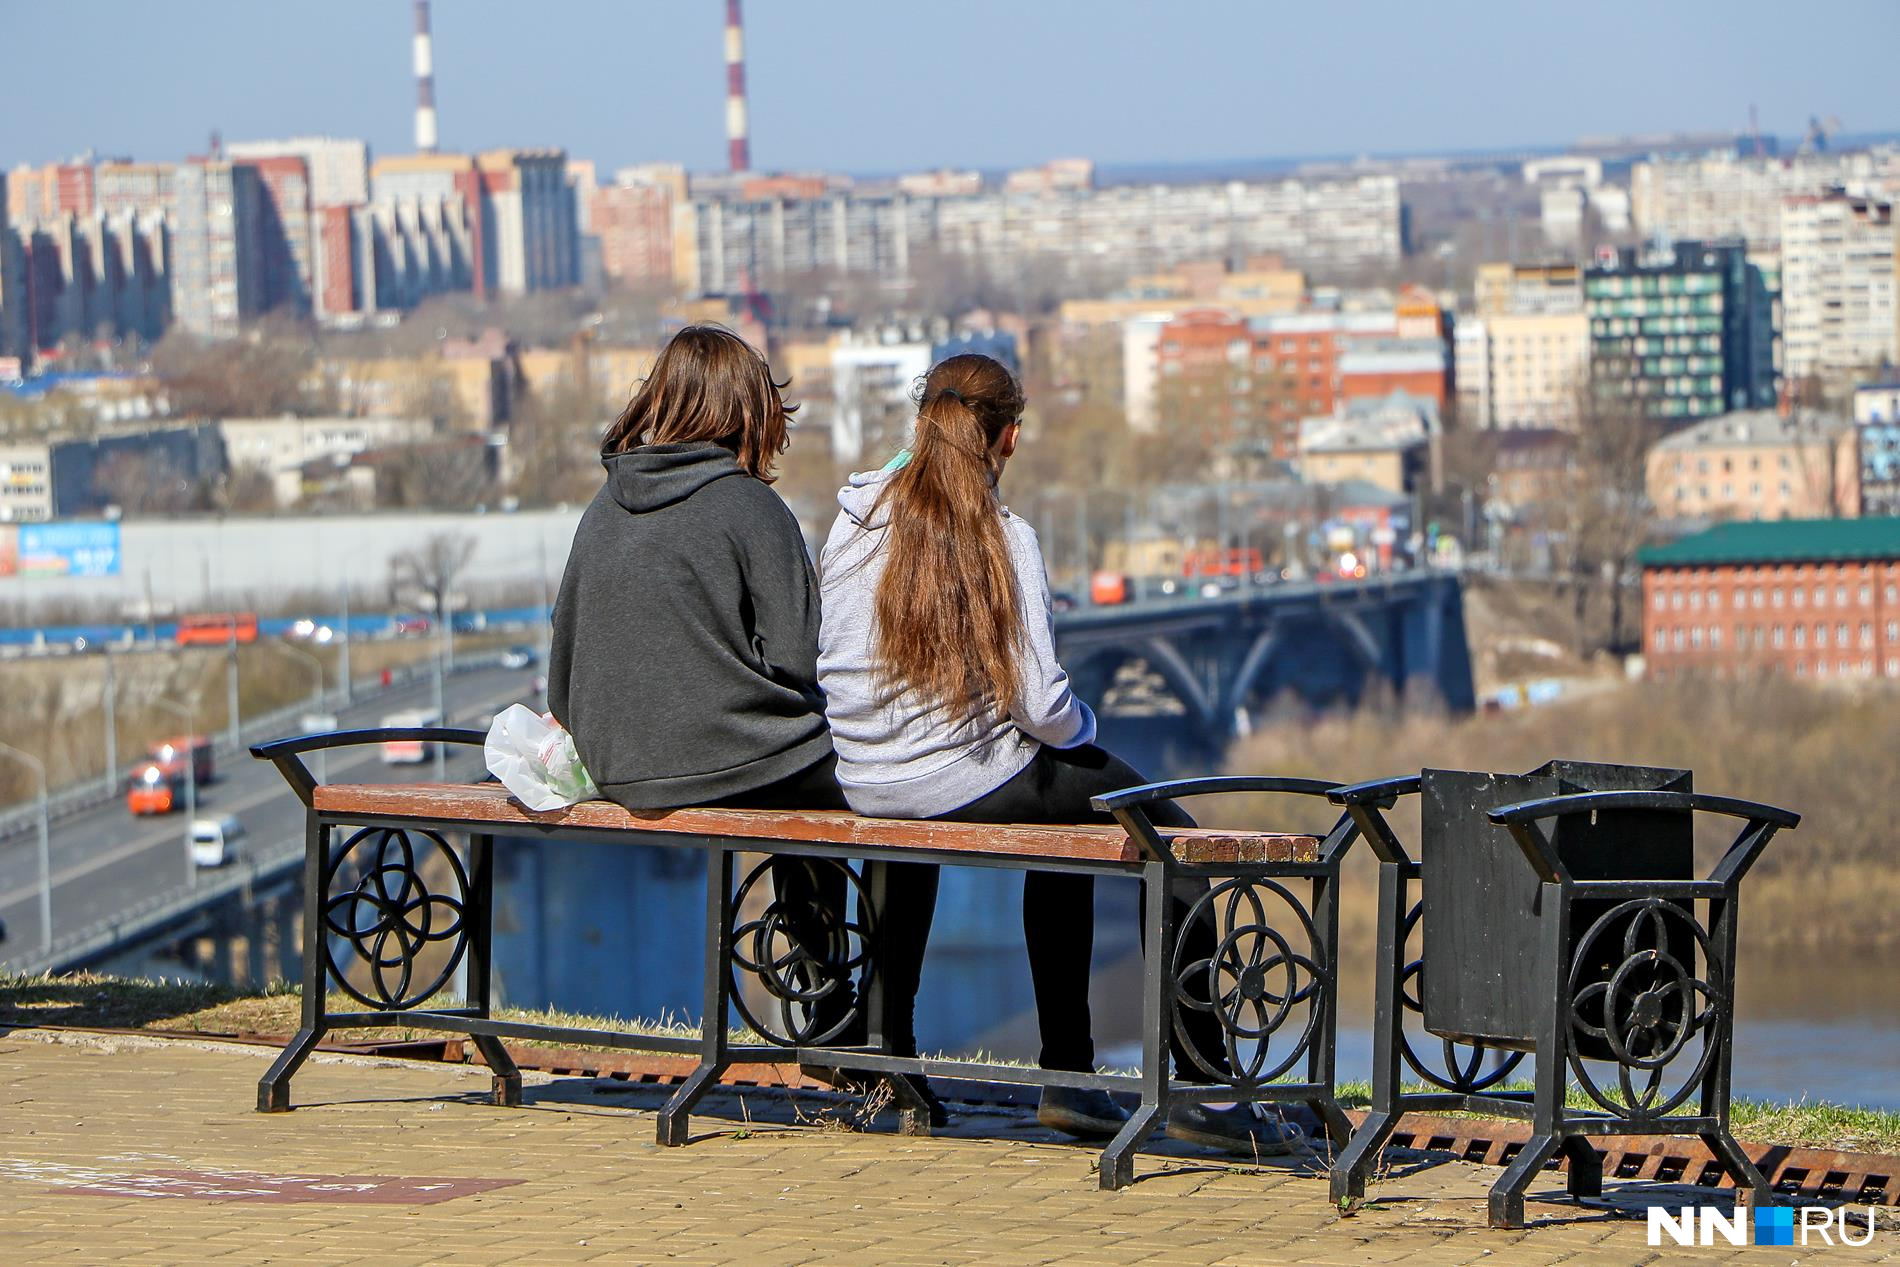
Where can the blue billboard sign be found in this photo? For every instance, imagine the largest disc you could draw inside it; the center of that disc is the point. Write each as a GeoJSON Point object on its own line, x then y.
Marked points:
{"type": "Point", "coordinates": [60, 549]}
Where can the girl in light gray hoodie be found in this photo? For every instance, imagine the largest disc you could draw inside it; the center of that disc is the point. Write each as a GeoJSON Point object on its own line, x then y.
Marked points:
{"type": "Point", "coordinates": [936, 653]}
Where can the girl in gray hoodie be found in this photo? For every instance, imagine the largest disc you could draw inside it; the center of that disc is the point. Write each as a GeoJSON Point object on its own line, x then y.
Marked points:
{"type": "Point", "coordinates": [936, 652]}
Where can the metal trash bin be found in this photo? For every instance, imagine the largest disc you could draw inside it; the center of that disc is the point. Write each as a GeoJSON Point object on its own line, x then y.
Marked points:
{"type": "Point", "coordinates": [1481, 916]}
{"type": "Point", "coordinates": [1568, 925]}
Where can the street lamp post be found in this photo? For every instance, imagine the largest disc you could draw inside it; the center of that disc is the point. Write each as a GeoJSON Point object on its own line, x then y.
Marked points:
{"type": "Point", "coordinates": [190, 718]}
{"type": "Point", "coordinates": [46, 863]}
{"type": "Point", "coordinates": [316, 666]}
{"type": "Point", "coordinates": [110, 696]}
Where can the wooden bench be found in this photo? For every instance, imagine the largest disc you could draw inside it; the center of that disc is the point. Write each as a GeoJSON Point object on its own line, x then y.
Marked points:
{"type": "Point", "coordinates": [394, 912]}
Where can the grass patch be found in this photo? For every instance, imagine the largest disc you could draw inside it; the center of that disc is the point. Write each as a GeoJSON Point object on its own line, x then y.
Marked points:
{"type": "Point", "coordinates": [96, 1001]}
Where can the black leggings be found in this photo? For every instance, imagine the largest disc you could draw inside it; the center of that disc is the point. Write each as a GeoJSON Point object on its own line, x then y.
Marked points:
{"type": "Point", "coordinates": [1059, 906]}
{"type": "Point", "coordinates": [910, 902]}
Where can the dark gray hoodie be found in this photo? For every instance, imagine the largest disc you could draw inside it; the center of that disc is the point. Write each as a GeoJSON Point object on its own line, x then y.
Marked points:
{"type": "Point", "coordinates": [684, 659]}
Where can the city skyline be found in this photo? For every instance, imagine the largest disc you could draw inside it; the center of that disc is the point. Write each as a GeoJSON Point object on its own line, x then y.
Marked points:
{"type": "Point", "coordinates": [992, 89]}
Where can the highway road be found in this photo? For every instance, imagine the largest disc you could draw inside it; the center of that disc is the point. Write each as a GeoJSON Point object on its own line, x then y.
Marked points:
{"type": "Point", "coordinates": [104, 859]}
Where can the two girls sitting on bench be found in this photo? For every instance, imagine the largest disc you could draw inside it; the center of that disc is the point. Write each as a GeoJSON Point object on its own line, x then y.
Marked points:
{"type": "Point", "coordinates": [695, 665]}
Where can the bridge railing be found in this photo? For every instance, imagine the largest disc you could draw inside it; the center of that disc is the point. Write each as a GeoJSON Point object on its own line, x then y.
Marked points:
{"type": "Point", "coordinates": [143, 919]}
{"type": "Point", "coordinates": [90, 793]}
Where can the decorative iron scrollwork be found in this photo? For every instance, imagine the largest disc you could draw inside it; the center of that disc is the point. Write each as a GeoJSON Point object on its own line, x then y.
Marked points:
{"type": "Point", "coordinates": [1255, 982]}
{"type": "Point", "coordinates": [390, 917]}
{"type": "Point", "coordinates": [1463, 1070]}
{"type": "Point", "coordinates": [802, 949]}
{"type": "Point", "coordinates": [1649, 1007]}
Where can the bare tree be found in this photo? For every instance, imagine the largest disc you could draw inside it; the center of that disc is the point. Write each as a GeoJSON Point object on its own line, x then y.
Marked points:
{"type": "Point", "coordinates": [554, 443]}
{"type": "Point", "coordinates": [1605, 514]}
{"type": "Point", "coordinates": [440, 474]}
{"type": "Point", "coordinates": [429, 571]}
{"type": "Point", "coordinates": [260, 375]}
{"type": "Point", "coordinates": [146, 484]}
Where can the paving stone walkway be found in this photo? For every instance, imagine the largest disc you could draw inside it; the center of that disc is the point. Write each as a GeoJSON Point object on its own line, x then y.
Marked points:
{"type": "Point", "coordinates": [123, 1150]}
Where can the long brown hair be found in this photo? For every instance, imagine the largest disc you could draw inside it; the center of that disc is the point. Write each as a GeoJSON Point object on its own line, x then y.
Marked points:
{"type": "Point", "coordinates": [948, 622]}
{"type": "Point", "coordinates": [708, 384]}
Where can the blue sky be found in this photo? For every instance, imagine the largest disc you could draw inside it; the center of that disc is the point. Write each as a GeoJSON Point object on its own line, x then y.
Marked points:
{"type": "Point", "coordinates": [878, 85]}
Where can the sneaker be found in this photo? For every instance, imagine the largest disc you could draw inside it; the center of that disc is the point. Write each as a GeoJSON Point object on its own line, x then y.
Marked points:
{"type": "Point", "coordinates": [1238, 1130]}
{"type": "Point", "coordinates": [1084, 1114]}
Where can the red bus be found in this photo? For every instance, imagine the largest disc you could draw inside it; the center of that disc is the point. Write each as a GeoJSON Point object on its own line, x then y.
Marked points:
{"type": "Point", "coordinates": [172, 752]}
{"type": "Point", "coordinates": [1211, 563]}
{"type": "Point", "coordinates": [217, 629]}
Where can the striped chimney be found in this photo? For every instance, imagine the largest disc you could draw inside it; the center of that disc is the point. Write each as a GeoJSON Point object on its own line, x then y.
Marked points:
{"type": "Point", "coordinates": [425, 82]}
{"type": "Point", "coordinates": [738, 145]}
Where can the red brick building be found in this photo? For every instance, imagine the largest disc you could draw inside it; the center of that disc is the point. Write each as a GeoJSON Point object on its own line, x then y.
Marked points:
{"type": "Point", "coordinates": [635, 226]}
{"type": "Point", "coordinates": [1813, 599]}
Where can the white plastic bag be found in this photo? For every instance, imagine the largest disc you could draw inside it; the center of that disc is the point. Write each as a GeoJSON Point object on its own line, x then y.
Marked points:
{"type": "Point", "coordinates": [535, 759]}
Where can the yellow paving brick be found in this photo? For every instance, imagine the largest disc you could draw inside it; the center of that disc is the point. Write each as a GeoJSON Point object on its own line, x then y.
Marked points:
{"type": "Point", "coordinates": [590, 1185]}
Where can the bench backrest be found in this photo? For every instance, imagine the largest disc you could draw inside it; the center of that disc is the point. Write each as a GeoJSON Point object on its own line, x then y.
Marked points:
{"type": "Point", "coordinates": [488, 806]}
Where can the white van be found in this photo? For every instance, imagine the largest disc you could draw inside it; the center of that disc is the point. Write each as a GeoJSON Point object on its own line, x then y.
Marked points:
{"type": "Point", "coordinates": [408, 751]}
{"type": "Point", "coordinates": [214, 840]}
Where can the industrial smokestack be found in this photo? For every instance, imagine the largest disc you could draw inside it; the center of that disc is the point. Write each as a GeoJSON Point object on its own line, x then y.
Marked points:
{"type": "Point", "coordinates": [425, 82]}
{"type": "Point", "coordinates": [738, 144]}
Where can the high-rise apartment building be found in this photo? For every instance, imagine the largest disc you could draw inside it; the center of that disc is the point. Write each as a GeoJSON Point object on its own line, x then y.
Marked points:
{"type": "Point", "coordinates": [1503, 289]}
{"type": "Point", "coordinates": [218, 250]}
{"type": "Point", "coordinates": [13, 346]}
{"type": "Point", "coordinates": [530, 228]}
{"type": "Point", "coordinates": [1347, 223]}
{"type": "Point", "coordinates": [1523, 357]}
{"type": "Point", "coordinates": [40, 193]}
{"type": "Point", "coordinates": [140, 188]}
{"type": "Point", "coordinates": [517, 205]}
{"type": "Point", "coordinates": [634, 223]}
{"type": "Point", "coordinates": [285, 230]}
{"type": "Point", "coordinates": [338, 167]}
{"type": "Point", "coordinates": [1677, 329]}
{"type": "Point", "coordinates": [1724, 196]}
{"type": "Point", "coordinates": [1837, 285]}
{"type": "Point", "coordinates": [98, 274]}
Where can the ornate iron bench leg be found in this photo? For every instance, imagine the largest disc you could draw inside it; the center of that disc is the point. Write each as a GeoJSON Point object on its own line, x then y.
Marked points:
{"type": "Point", "coordinates": [1585, 1176]}
{"type": "Point", "coordinates": [1117, 1168]}
{"type": "Point", "coordinates": [506, 1089]}
{"type": "Point", "coordinates": [1118, 1159]}
{"type": "Point", "coordinates": [1352, 1169]}
{"type": "Point", "coordinates": [1742, 1170]}
{"type": "Point", "coordinates": [675, 1118]}
{"type": "Point", "coordinates": [1507, 1194]}
{"type": "Point", "coordinates": [913, 1111]}
{"type": "Point", "coordinates": [506, 1086]}
{"type": "Point", "coordinates": [273, 1089]}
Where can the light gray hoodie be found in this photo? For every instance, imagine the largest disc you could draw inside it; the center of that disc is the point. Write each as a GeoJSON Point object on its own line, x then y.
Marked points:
{"type": "Point", "coordinates": [896, 757]}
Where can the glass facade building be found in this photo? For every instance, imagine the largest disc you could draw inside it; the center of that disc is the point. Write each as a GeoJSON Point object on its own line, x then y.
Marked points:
{"type": "Point", "coordinates": [1686, 329]}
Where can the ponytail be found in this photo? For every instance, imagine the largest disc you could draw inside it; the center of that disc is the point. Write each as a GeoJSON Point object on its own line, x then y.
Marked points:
{"type": "Point", "coordinates": [948, 618]}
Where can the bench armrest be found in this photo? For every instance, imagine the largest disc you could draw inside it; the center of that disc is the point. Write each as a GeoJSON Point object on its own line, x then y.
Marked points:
{"type": "Point", "coordinates": [1126, 806]}
{"type": "Point", "coordinates": [287, 754]}
{"type": "Point", "coordinates": [1148, 792]}
{"type": "Point", "coordinates": [1762, 823]}
{"type": "Point", "coordinates": [1382, 793]}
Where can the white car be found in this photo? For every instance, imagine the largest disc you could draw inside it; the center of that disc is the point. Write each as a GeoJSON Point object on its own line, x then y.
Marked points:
{"type": "Point", "coordinates": [214, 840]}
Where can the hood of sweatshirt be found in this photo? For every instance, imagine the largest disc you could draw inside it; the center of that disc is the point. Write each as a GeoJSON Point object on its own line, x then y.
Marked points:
{"type": "Point", "coordinates": [859, 497]}
{"type": "Point", "coordinates": [652, 476]}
